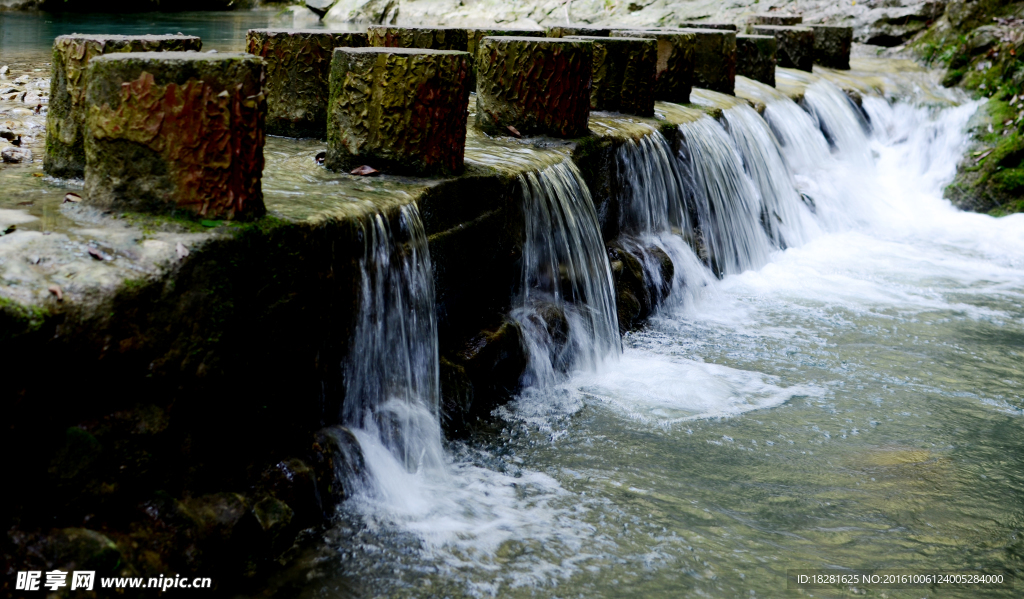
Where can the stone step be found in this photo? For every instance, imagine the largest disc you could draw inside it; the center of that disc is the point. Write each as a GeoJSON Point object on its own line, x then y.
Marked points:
{"type": "Point", "coordinates": [676, 49]}
{"type": "Point", "coordinates": [773, 18]}
{"type": "Point", "coordinates": [832, 45]}
{"type": "Point", "coordinates": [755, 57]}
{"type": "Point", "coordinates": [623, 74]}
{"type": "Point", "coordinates": [65, 121]}
{"type": "Point", "coordinates": [176, 132]}
{"type": "Point", "coordinates": [298, 63]}
{"type": "Point", "coordinates": [398, 110]}
{"type": "Point", "coordinates": [714, 59]}
{"type": "Point", "coordinates": [794, 45]}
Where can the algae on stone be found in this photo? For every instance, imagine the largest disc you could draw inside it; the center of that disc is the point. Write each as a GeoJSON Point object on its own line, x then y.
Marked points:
{"type": "Point", "coordinates": [65, 120]}
{"type": "Point", "coordinates": [529, 86]}
{"type": "Point", "coordinates": [623, 74]}
{"type": "Point", "coordinates": [172, 131]}
{"type": "Point", "coordinates": [298, 63]}
{"type": "Point", "coordinates": [398, 110]}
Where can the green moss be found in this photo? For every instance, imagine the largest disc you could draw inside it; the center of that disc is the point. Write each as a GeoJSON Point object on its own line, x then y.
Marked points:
{"type": "Point", "coordinates": [18, 319]}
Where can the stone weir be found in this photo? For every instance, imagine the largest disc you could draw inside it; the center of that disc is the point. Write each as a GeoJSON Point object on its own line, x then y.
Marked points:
{"type": "Point", "coordinates": [169, 376]}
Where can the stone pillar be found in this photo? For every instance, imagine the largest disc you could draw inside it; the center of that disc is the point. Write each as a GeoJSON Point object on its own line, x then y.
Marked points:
{"type": "Point", "coordinates": [755, 57]}
{"type": "Point", "coordinates": [474, 35]}
{"type": "Point", "coordinates": [533, 86]}
{"type": "Point", "coordinates": [674, 78]}
{"type": "Point", "coordinates": [429, 38]}
{"type": "Point", "coordinates": [578, 32]}
{"type": "Point", "coordinates": [772, 18]}
{"type": "Point", "coordinates": [65, 120]}
{"type": "Point", "coordinates": [623, 74]}
{"type": "Point", "coordinates": [714, 60]}
{"type": "Point", "coordinates": [398, 110]}
{"type": "Point", "coordinates": [298, 62]}
{"type": "Point", "coordinates": [176, 132]}
{"type": "Point", "coordinates": [703, 25]}
{"type": "Point", "coordinates": [794, 45]}
{"type": "Point", "coordinates": [832, 45]}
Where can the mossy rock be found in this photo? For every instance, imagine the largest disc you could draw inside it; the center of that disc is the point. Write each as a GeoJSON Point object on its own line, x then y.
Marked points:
{"type": "Point", "coordinates": [298, 63]}
{"type": "Point", "coordinates": [676, 50]}
{"type": "Point", "coordinates": [398, 110]}
{"type": "Point", "coordinates": [624, 70]}
{"type": "Point", "coordinates": [755, 57]}
{"type": "Point", "coordinates": [794, 45]}
{"type": "Point", "coordinates": [832, 45]}
{"type": "Point", "coordinates": [534, 86]}
{"type": "Point", "coordinates": [65, 119]}
{"type": "Point", "coordinates": [176, 131]}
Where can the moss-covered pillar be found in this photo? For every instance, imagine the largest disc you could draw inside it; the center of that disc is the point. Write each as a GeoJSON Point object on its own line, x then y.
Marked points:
{"type": "Point", "coordinates": [794, 45]}
{"type": "Point", "coordinates": [429, 38]}
{"type": "Point", "coordinates": [755, 57]}
{"type": "Point", "coordinates": [623, 74]}
{"type": "Point", "coordinates": [714, 60]}
{"type": "Point", "coordinates": [298, 62]}
{"type": "Point", "coordinates": [533, 86]}
{"type": "Point", "coordinates": [772, 18]}
{"type": "Point", "coordinates": [65, 120]}
{"type": "Point", "coordinates": [577, 32]}
{"type": "Point", "coordinates": [674, 78]}
{"type": "Point", "coordinates": [832, 45]}
{"type": "Point", "coordinates": [176, 131]}
{"type": "Point", "coordinates": [398, 110]}
{"type": "Point", "coordinates": [703, 25]}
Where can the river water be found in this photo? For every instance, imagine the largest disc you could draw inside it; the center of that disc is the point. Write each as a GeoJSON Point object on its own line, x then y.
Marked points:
{"type": "Point", "coordinates": [850, 403]}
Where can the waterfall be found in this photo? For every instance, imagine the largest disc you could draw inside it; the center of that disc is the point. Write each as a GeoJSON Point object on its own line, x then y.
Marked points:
{"type": "Point", "coordinates": [566, 305]}
{"type": "Point", "coordinates": [727, 205]}
{"type": "Point", "coordinates": [783, 214]}
{"type": "Point", "coordinates": [840, 120]}
{"type": "Point", "coordinates": [391, 375]}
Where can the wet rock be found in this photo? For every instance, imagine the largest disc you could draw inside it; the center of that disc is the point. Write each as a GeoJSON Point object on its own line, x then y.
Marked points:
{"type": "Point", "coordinates": [320, 7]}
{"type": "Point", "coordinates": [536, 86]}
{"type": "Point", "coordinates": [176, 131]}
{"type": "Point", "coordinates": [336, 458]}
{"type": "Point", "coordinates": [773, 18]}
{"type": "Point", "coordinates": [294, 482]}
{"type": "Point", "coordinates": [755, 57]}
{"type": "Point", "coordinates": [642, 275]}
{"type": "Point", "coordinates": [16, 155]}
{"type": "Point", "coordinates": [623, 74]}
{"type": "Point", "coordinates": [398, 110]}
{"type": "Point", "coordinates": [674, 78]}
{"type": "Point", "coordinates": [273, 515]}
{"type": "Point", "coordinates": [219, 516]}
{"type": "Point", "coordinates": [65, 121]}
{"type": "Point", "coordinates": [832, 46]}
{"type": "Point", "coordinates": [492, 363]}
{"type": "Point", "coordinates": [429, 38]}
{"type": "Point", "coordinates": [714, 60]}
{"type": "Point", "coordinates": [80, 549]}
{"type": "Point", "coordinates": [377, 12]}
{"type": "Point", "coordinates": [298, 64]}
{"type": "Point", "coordinates": [794, 45]}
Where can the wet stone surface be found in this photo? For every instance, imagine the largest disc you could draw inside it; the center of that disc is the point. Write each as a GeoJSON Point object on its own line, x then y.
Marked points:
{"type": "Point", "coordinates": [755, 57]}
{"type": "Point", "coordinates": [794, 45]}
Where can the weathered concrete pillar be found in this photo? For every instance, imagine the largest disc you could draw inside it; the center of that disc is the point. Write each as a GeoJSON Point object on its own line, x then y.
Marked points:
{"type": "Point", "coordinates": [176, 131]}
{"type": "Point", "coordinates": [624, 70]}
{"type": "Point", "coordinates": [65, 121]}
{"type": "Point", "coordinates": [474, 36]}
{"type": "Point", "coordinates": [771, 18]}
{"type": "Point", "coordinates": [675, 63]}
{"type": "Point", "coordinates": [398, 110]}
{"type": "Point", "coordinates": [755, 57]}
{"type": "Point", "coordinates": [794, 45]}
{"type": "Point", "coordinates": [703, 25]}
{"type": "Point", "coordinates": [298, 63]}
{"type": "Point", "coordinates": [714, 59]}
{"type": "Point", "coordinates": [578, 32]}
{"type": "Point", "coordinates": [832, 45]}
{"type": "Point", "coordinates": [429, 38]}
{"type": "Point", "coordinates": [533, 86]}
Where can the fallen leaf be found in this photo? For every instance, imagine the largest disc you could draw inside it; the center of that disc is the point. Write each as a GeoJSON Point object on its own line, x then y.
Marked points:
{"type": "Point", "coordinates": [181, 250]}
{"type": "Point", "coordinates": [513, 131]}
{"type": "Point", "coordinates": [72, 197]}
{"type": "Point", "coordinates": [364, 171]}
{"type": "Point", "coordinates": [54, 289]}
{"type": "Point", "coordinates": [38, 175]}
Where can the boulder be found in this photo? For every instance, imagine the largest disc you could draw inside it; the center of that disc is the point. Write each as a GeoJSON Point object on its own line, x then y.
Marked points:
{"type": "Point", "coordinates": [755, 57]}
{"type": "Point", "coordinates": [176, 131]}
{"type": "Point", "coordinates": [298, 64]}
{"type": "Point", "coordinates": [674, 77]}
{"type": "Point", "coordinates": [832, 45]}
{"type": "Point", "coordinates": [65, 119]}
{"type": "Point", "coordinates": [771, 18]}
{"type": "Point", "coordinates": [794, 45]}
{"type": "Point", "coordinates": [623, 74]}
{"type": "Point", "coordinates": [429, 38]}
{"type": "Point", "coordinates": [398, 110]}
{"type": "Point", "coordinates": [530, 86]}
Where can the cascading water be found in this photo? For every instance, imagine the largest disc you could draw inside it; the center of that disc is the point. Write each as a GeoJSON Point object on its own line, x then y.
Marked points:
{"type": "Point", "coordinates": [566, 306]}
{"type": "Point", "coordinates": [728, 206]}
{"type": "Point", "coordinates": [840, 121]}
{"type": "Point", "coordinates": [391, 376]}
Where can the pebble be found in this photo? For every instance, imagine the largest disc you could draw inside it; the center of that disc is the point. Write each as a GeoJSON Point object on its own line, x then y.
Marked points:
{"type": "Point", "coordinates": [16, 155]}
{"type": "Point", "coordinates": [4, 70]}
